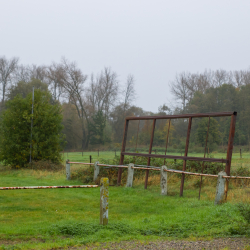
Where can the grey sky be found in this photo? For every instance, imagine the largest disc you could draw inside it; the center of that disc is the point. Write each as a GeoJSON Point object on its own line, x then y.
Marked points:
{"type": "Point", "coordinates": [153, 40]}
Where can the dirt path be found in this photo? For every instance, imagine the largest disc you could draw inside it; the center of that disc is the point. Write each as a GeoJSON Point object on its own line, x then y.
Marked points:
{"type": "Point", "coordinates": [225, 243]}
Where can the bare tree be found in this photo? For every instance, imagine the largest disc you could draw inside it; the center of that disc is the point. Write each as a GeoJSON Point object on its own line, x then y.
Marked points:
{"type": "Point", "coordinates": [103, 91]}
{"type": "Point", "coordinates": [7, 70]}
{"type": "Point", "coordinates": [179, 88]}
{"type": "Point", "coordinates": [73, 81]}
{"type": "Point", "coordinates": [55, 75]}
{"type": "Point", "coordinates": [129, 92]}
{"type": "Point", "coordinates": [22, 74]}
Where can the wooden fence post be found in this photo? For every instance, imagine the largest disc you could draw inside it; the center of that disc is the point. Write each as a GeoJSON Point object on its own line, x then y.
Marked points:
{"type": "Point", "coordinates": [67, 170]}
{"type": "Point", "coordinates": [164, 180]}
{"type": "Point", "coordinates": [104, 199]}
{"type": "Point", "coordinates": [130, 175]}
{"type": "Point", "coordinates": [96, 170]}
{"type": "Point", "coordinates": [220, 188]}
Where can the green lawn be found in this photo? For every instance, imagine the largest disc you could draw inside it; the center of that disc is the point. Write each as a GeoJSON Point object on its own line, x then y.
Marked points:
{"type": "Point", "coordinates": [51, 218]}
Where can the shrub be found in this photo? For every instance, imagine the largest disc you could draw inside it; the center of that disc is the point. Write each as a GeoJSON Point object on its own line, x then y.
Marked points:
{"type": "Point", "coordinates": [15, 128]}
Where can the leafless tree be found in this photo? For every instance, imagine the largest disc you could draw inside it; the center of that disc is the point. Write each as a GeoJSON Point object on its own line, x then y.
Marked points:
{"type": "Point", "coordinates": [179, 88]}
{"type": "Point", "coordinates": [7, 70]}
{"type": "Point", "coordinates": [129, 92]}
{"type": "Point", "coordinates": [22, 74]}
{"type": "Point", "coordinates": [73, 81]}
{"type": "Point", "coordinates": [246, 77]}
{"type": "Point", "coordinates": [55, 75]}
{"type": "Point", "coordinates": [38, 72]}
{"type": "Point", "coordinates": [103, 91]}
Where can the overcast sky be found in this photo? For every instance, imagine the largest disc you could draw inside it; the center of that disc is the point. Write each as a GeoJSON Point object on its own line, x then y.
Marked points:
{"type": "Point", "coordinates": [153, 40]}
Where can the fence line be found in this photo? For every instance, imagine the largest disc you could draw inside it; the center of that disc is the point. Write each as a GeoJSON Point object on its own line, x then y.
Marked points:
{"type": "Point", "coordinates": [166, 170]}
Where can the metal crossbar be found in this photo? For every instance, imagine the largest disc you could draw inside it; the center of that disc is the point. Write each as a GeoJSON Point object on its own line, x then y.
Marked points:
{"type": "Point", "coordinates": [46, 187]}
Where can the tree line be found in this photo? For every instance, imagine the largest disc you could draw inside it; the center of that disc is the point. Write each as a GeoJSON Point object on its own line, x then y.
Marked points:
{"type": "Point", "coordinates": [94, 106]}
{"type": "Point", "coordinates": [216, 91]}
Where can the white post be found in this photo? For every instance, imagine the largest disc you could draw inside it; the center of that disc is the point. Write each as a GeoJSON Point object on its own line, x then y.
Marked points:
{"type": "Point", "coordinates": [164, 180]}
{"type": "Point", "coordinates": [130, 175]}
{"type": "Point", "coordinates": [96, 170]}
{"type": "Point", "coordinates": [104, 201]}
{"type": "Point", "coordinates": [67, 170]}
{"type": "Point", "coordinates": [220, 188]}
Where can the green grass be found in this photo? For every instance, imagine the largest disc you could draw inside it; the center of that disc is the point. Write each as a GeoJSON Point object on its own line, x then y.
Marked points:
{"type": "Point", "coordinates": [79, 157]}
{"type": "Point", "coordinates": [109, 156]}
{"type": "Point", "coordinates": [51, 218]}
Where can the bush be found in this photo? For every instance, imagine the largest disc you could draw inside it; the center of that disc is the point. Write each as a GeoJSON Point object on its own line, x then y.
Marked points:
{"type": "Point", "coordinates": [242, 228]}
{"type": "Point", "coordinates": [46, 165]}
{"type": "Point", "coordinates": [15, 130]}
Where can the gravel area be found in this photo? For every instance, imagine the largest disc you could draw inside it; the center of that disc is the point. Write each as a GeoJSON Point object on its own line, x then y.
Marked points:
{"type": "Point", "coordinates": [222, 243]}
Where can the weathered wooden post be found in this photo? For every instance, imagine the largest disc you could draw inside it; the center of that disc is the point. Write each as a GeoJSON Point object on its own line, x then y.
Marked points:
{"type": "Point", "coordinates": [220, 188]}
{"type": "Point", "coordinates": [130, 175]}
{"type": "Point", "coordinates": [164, 180]}
{"type": "Point", "coordinates": [104, 199]}
{"type": "Point", "coordinates": [67, 170]}
{"type": "Point", "coordinates": [96, 170]}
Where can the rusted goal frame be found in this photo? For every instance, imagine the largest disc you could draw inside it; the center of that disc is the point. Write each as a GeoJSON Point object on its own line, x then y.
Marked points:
{"type": "Point", "coordinates": [185, 157]}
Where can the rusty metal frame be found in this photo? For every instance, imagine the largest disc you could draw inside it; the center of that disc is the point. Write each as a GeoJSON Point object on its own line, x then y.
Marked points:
{"type": "Point", "coordinates": [185, 157]}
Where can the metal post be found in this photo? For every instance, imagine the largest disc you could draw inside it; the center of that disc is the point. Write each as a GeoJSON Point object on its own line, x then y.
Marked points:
{"type": "Point", "coordinates": [204, 156]}
{"type": "Point", "coordinates": [150, 150]}
{"type": "Point", "coordinates": [119, 178]}
{"type": "Point", "coordinates": [90, 157]}
{"type": "Point", "coordinates": [104, 201]}
{"type": "Point", "coordinates": [67, 170]}
{"type": "Point", "coordinates": [186, 152]}
{"type": "Point", "coordinates": [169, 123]}
{"type": "Point", "coordinates": [31, 127]}
{"type": "Point", "coordinates": [230, 149]}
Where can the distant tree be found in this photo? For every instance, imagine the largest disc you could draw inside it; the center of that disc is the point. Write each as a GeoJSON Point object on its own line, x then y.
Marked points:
{"type": "Point", "coordinates": [103, 91]}
{"type": "Point", "coordinates": [15, 128]}
{"type": "Point", "coordinates": [73, 81]}
{"type": "Point", "coordinates": [7, 70]}
{"type": "Point", "coordinates": [213, 135]}
{"type": "Point", "coordinates": [179, 88]}
{"type": "Point", "coordinates": [129, 92]}
{"type": "Point", "coordinates": [96, 128]}
{"type": "Point", "coordinates": [24, 88]}
{"type": "Point", "coordinates": [72, 127]}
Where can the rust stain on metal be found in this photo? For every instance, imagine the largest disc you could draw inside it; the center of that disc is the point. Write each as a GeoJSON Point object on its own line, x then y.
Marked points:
{"type": "Point", "coordinates": [204, 156]}
{"type": "Point", "coordinates": [186, 152]}
{"type": "Point", "coordinates": [119, 178]}
{"type": "Point", "coordinates": [169, 123]}
{"type": "Point", "coordinates": [150, 150]}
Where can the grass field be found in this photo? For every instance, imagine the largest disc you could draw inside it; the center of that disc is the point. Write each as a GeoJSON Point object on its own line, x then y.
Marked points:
{"type": "Point", "coordinates": [54, 218]}
{"type": "Point", "coordinates": [109, 155]}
